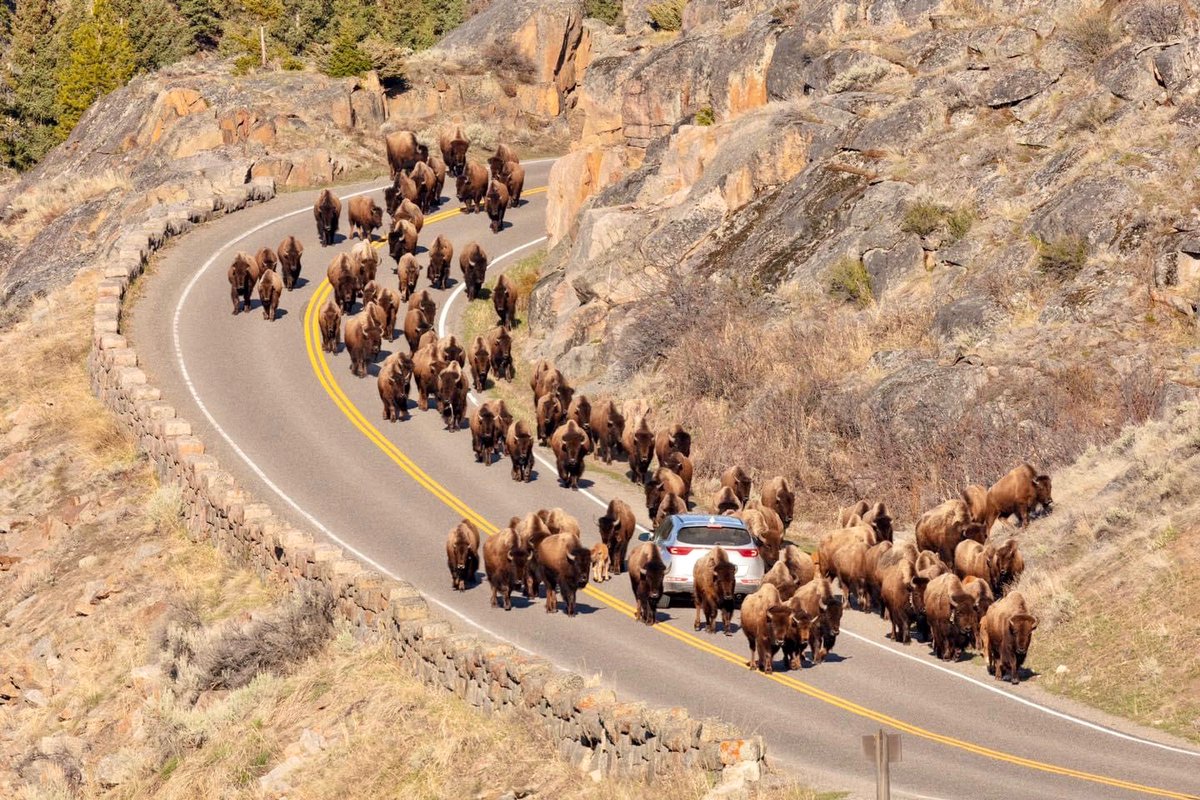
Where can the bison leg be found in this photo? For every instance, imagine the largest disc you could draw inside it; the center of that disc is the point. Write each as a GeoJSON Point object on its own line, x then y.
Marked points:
{"type": "Point", "coordinates": [699, 610]}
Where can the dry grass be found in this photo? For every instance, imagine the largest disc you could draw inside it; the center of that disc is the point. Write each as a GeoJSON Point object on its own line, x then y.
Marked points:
{"type": "Point", "coordinates": [1112, 577]}
{"type": "Point", "coordinates": [44, 202]}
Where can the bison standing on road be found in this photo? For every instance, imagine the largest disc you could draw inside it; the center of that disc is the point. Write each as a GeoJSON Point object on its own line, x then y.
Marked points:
{"type": "Point", "coordinates": [562, 564]}
{"type": "Point", "coordinates": [481, 362]}
{"type": "Point", "coordinates": [401, 239]}
{"type": "Point", "coordinates": [519, 443]}
{"type": "Point", "coordinates": [504, 300]}
{"type": "Point", "coordinates": [473, 262]}
{"type": "Point", "coordinates": [570, 444]}
{"type": "Point", "coordinates": [331, 325]}
{"type": "Point", "coordinates": [416, 324]}
{"type": "Point", "coordinates": [496, 204]}
{"type": "Point", "coordinates": [505, 562]}
{"type": "Point", "coordinates": [395, 377]}
{"type": "Point", "coordinates": [363, 337]}
{"type": "Point", "coordinates": [409, 272]}
{"type": "Point", "coordinates": [714, 577]}
{"type": "Point", "coordinates": [402, 151]}
{"type": "Point", "coordinates": [327, 211]}
{"type": "Point", "coordinates": [426, 183]}
{"type": "Point", "coordinates": [483, 433]}
{"type": "Point", "coordinates": [608, 428]}
{"type": "Point", "coordinates": [767, 621]}
{"type": "Point", "coordinates": [672, 440]}
{"type": "Point", "coordinates": [471, 187]}
{"type": "Point", "coordinates": [777, 495]}
{"type": "Point", "coordinates": [290, 251]}
{"type": "Point", "coordinates": [440, 254]}
{"type": "Point", "coordinates": [452, 395]}
{"type": "Point", "coordinates": [270, 289]}
{"type": "Point", "coordinates": [812, 600]}
{"type": "Point", "coordinates": [1005, 634]}
{"type": "Point", "coordinates": [341, 276]}
{"type": "Point", "coordinates": [454, 148]}
{"type": "Point", "coordinates": [426, 369]}
{"type": "Point", "coordinates": [462, 554]}
{"type": "Point", "coordinates": [241, 275]}
{"type": "Point", "coordinates": [646, 573]}
{"type": "Point", "coordinates": [639, 444]}
{"type": "Point", "coordinates": [365, 217]}
{"type": "Point", "coordinates": [950, 612]}
{"type": "Point", "coordinates": [499, 345]}
{"type": "Point", "coordinates": [736, 479]}
{"type": "Point", "coordinates": [514, 181]}
{"type": "Point", "coordinates": [617, 527]}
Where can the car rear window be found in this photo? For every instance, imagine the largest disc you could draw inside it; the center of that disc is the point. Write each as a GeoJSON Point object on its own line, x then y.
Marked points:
{"type": "Point", "coordinates": [707, 537]}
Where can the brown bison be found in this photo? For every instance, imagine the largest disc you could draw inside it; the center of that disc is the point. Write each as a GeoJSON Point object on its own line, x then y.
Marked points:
{"type": "Point", "coordinates": [570, 444]}
{"type": "Point", "coordinates": [290, 251]}
{"type": "Point", "coordinates": [681, 465]}
{"type": "Point", "coordinates": [639, 445]}
{"type": "Point", "coordinates": [504, 420]}
{"type": "Point", "coordinates": [799, 563]}
{"type": "Point", "coordinates": [483, 433]}
{"type": "Point", "coordinates": [726, 501]}
{"type": "Point", "coordinates": [608, 428]}
{"type": "Point", "coordinates": [441, 252]}
{"type": "Point", "coordinates": [777, 495]}
{"type": "Point", "coordinates": [450, 350]}
{"type": "Point", "coordinates": [617, 527]}
{"type": "Point", "coordinates": [401, 239]}
{"type": "Point", "coordinates": [550, 415]}
{"type": "Point", "coordinates": [930, 564]}
{"type": "Point", "coordinates": [873, 573]}
{"type": "Point", "coordinates": [547, 379]}
{"type": "Point", "coordinates": [950, 612]}
{"type": "Point", "coordinates": [781, 578]}
{"type": "Point", "coordinates": [242, 274]}
{"type": "Point", "coordinates": [672, 440]}
{"type": "Point", "coordinates": [499, 346]}
{"type": "Point", "coordinates": [426, 183]}
{"type": "Point", "coordinates": [363, 337]}
{"type": "Point", "coordinates": [878, 518]}
{"type": "Point", "coordinates": [266, 259]}
{"type": "Point", "coordinates": [646, 573]}
{"type": "Point", "coordinates": [983, 597]}
{"type": "Point", "coordinates": [846, 515]}
{"type": "Point", "coordinates": [389, 300]}
{"type": "Point", "coordinates": [903, 595]}
{"type": "Point", "coordinates": [409, 272]}
{"type": "Point", "coordinates": [1000, 566]}
{"type": "Point", "coordinates": [580, 410]}
{"type": "Point", "coordinates": [940, 529]}
{"type": "Point", "coordinates": [462, 554]}
{"type": "Point", "coordinates": [403, 189]}
{"type": "Point", "coordinates": [426, 369]}
{"type": "Point", "coordinates": [331, 325]}
{"type": "Point", "coordinates": [454, 148]}
{"type": "Point", "coordinates": [327, 211]}
{"type": "Point", "coordinates": [504, 561]}
{"type": "Point", "coordinates": [848, 563]}
{"type": "Point", "coordinates": [402, 151]}
{"type": "Point", "coordinates": [452, 391]}
{"type": "Point", "coordinates": [365, 217]}
{"type": "Point", "coordinates": [736, 479]}
{"type": "Point", "coordinates": [504, 300]}
{"type": "Point", "coordinates": [601, 570]}
{"type": "Point", "coordinates": [395, 377]}
{"type": "Point", "coordinates": [503, 155]}
{"type": "Point", "coordinates": [410, 211]}
{"type": "Point", "coordinates": [519, 444]}
{"type": "Point", "coordinates": [562, 564]}
{"type": "Point", "coordinates": [1019, 492]}
{"type": "Point", "coordinates": [713, 580]}
{"type": "Point", "coordinates": [473, 261]}
{"type": "Point", "coordinates": [514, 181]}
{"type": "Point", "coordinates": [424, 301]}
{"type": "Point", "coordinates": [415, 325]}
{"type": "Point", "coordinates": [767, 529]}
{"type": "Point", "coordinates": [340, 275]}
{"type": "Point", "coordinates": [364, 263]}
{"type": "Point", "coordinates": [270, 289]}
{"type": "Point", "coordinates": [767, 621]}
{"type": "Point", "coordinates": [813, 600]}
{"type": "Point", "coordinates": [496, 204]}
{"type": "Point", "coordinates": [481, 362]}
{"type": "Point", "coordinates": [439, 177]}
{"type": "Point", "coordinates": [668, 505]}
{"type": "Point", "coordinates": [1005, 634]}
{"type": "Point", "coordinates": [471, 186]}
{"type": "Point", "coordinates": [663, 483]}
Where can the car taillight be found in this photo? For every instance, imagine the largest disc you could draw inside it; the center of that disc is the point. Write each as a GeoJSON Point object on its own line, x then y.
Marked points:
{"type": "Point", "coordinates": [679, 551]}
{"type": "Point", "coordinates": [748, 552]}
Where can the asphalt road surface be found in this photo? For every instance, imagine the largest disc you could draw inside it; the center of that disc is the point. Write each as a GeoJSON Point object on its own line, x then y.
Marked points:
{"type": "Point", "coordinates": [304, 434]}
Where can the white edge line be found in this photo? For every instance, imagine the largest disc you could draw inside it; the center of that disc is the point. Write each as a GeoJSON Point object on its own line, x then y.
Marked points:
{"type": "Point", "coordinates": [262, 475]}
{"type": "Point", "coordinates": [442, 320]}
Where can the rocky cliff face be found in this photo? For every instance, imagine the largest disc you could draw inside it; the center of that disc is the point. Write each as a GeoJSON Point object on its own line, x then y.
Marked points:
{"type": "Point", "coordinates": [994, 200]}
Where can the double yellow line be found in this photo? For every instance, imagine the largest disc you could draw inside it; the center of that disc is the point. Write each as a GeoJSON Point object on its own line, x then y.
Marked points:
{"type": "Point", "coordinates": [320, 365]}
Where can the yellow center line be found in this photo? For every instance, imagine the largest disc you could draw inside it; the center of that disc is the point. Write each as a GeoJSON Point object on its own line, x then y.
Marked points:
{"type": "Point", "coordinates": [321, 368]}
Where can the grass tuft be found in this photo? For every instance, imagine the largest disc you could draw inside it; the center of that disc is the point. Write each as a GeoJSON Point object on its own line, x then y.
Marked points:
{"type": "Point", "coordinates": [850, 282]}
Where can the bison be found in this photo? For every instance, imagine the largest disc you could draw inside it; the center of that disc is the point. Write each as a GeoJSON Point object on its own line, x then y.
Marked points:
{"type": "Point", "coordinates": [672, 440]}
{"type": "Point", "coordinates": [340, 275]}
{"type": "Point", "coordinates": [402, 151]}
{"type": "Point", "coordinates": [364, 263]}
{"type": "Point", "coordinates": [1000, 566]}
{"type": "Point", "coordinates": [403, 189]}
{"type": "Point", "coordinates": [767, 621]}
{"type": "Point", "coordinates": [290, 251]}
{"type": "Point", "coordinates": [941, 528]}
{"type": "Point", "coordinates": [681, 465]}
{"type": "Point", "coordinates": [496, 204]}
{"type": "Point", "coordinates": [601, 569]}
{"type": "Point", "coordinates": [483, 432]}
{"type": "Point", "coordinates": [617, 527]}
{"type": "Point", "coordinates": [639, 445]}
{"type": "Point", "coordinates": [242, 277]}
{"type": "Point", "coordinates": [452, 391]}
{"type": "Point", "coordinates": [409, 272]}
{"type": "Point", "coordinates": [409, 210]}
{"type": "Point", "coordinates": [1019, 492]}
{"type": "Point", "coordinates": [365, 217]}
{"type": "Point", "coordinates": [473, 261]}
{"type": "Point", "coordinates": [713, 581]}
{"type": "Point", "coordinates": [270, 289]}
{"type": "Point", "coordinates": [726, 501]}
{"type": "Point", "coordinates": [454, 148]}
{"type": "Point", "coordinates": [903, 596]}
{"type": "Point", "coordinates": [550, 415]}
{"type": "Point", "coordinates": [426, 370]}
{"type": "Point", "coordinates": [363, 338]}
{"type": "Point", "coordinates": [580, 410]}
{"type": "Point", "coordinates": [415, 325]}
{"type": "Point", "coordinates": [736, 479]}
{"type": "Point", "coordinates": [514, 181]}
{"type": "Point", "coordinates": [266, 259]}
{"type": "Point", "coordinates": [813, 600]}
{"type": "Point", "coordinates": [424, 301]}
{"type": "Point", "coordinates": [481, 362]}
{"type": "Point", "coordinates": [663, 483]}
{"type": "Point", "coordinates": [401, 239]}
{"type": "Point", "coordinates": [504, 300]}
{"type": "Point", "coordinates": [471, 186]}
{"type": "Point", "coordinates": [607, 429]}
{"type": "Point", "coordinates": [330, 323]}
{"type": "Point", "coordinates": [570, 444]}
{"type": "Point", "coordinates": [462, 554]}
{"type": "Point", "coordinates": [426, 183]}
{"type": "Point", "coordinates": [646, 573]}
{"type": "Point", "coordinates": [450, 350]}
{"type": "Point", "coordinates": [777, 495]}
{"type": "Point", "coordinates": [440, 254]}
{"type": "Point", "coordinates": [327, 211]}
{"type": "Point", "coordinates": [1005, 634]}
{"type": "Point", "coordinates": [668, 505]}
{"type": "Point", "coordinates": [519, 443]}
{"type": "Point", "coordinates": [395, 377]}
{"type": "Point", "coordinates": [983, 597]}
{"type": "Point", "coordinates": [505, 561]}
{"type": "Point", "coordinates": [950, 612]}
{"type": "Point", "coordinates": [562, 564]}
{"type": "Point", "coordinates": [499, 345]}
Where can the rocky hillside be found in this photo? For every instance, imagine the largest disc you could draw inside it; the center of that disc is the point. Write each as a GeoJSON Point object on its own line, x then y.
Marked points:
{"type": "Point", "coordinates": [887, 247]}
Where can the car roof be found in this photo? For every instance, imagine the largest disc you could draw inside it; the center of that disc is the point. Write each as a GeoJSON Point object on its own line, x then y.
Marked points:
{"type": "Point", "coordinates": [700, 520]}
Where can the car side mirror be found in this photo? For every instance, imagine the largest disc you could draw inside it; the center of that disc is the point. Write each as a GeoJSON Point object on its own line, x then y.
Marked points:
{"type": "Point", "coordinates": [644, 536]}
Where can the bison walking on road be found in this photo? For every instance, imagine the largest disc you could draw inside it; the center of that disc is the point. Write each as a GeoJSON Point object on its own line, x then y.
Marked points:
{"type": "Point", "coordinates": [327, 211]}
{"type": "Point", "coordinates": [462, 554]}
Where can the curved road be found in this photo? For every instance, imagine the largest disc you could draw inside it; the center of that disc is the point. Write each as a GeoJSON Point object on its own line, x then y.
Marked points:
{"type": "Point", "coordinates": [304, 434]}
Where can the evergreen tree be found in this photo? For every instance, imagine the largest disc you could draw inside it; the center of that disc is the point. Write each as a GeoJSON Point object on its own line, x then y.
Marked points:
{"type": "Point", "coordinates": [303, 23]}
{"type": "Point", "coordinates": [30, 108]}
{"type": "Point", "coordinates": [203, 20]}
{"type": "Point", "coordinates": [157, 31]}
{"type": "Point", "coordinates": [347, 58]}
{"type": "Point", "coordinates": [101, 59]}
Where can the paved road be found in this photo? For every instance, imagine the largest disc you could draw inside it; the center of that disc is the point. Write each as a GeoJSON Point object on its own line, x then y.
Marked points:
{"type": "Point", "coordinates": [306, 435]}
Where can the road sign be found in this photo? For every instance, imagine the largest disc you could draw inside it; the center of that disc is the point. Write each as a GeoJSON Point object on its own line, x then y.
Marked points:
{"type": "Point", "coordinates": [883, 748]}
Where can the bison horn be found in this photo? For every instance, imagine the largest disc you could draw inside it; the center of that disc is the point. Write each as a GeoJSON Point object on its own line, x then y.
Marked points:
{"type": "Point", "coordinates": [571, 557]}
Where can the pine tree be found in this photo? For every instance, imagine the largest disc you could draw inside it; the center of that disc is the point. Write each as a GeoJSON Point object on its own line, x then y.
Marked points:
{"type": "Point", "coordinates": [101, 59]}
{"type": "Point", "coordinates": [304, 22]}
{"type": "Point", "coordinates": [347, 58]}
{"type": "Point", "coordinates": [203, 20]}
{"type": "Point", "coordinates": [157, 31]}
{"type": "Point", "coordinates": [30, 109]}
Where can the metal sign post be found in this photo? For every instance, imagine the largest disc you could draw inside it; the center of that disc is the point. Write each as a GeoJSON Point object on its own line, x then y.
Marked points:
{"type": "Point", "coordinates": [884, 749]}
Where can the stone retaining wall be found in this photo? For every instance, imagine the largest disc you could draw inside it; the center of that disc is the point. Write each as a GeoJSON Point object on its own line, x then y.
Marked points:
{"type": "Point", "coordinates": [595, 731]}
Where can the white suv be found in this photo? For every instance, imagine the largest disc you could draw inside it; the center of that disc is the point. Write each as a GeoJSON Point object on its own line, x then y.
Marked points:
{"type": "Point", "coordinates": [683, 539]}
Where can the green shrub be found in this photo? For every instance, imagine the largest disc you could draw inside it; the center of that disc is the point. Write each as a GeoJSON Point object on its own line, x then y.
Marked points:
{"type": "Point", "coordinates": [705, 116]}
{"type": "Point", "coordinates": [849, 281]}
{"type": "Point", "coordinates": [347, 59]}
{"type": "Point", "coordinates": [1061, 258]}
{"type": "Point", "coordinates": [607, 11]}
{"type": "Point", "coordinates": [292, 63]}
{"type": "Point", "coordinates": [243, 64]}
{"type": "Point", "coordinates": [958, 223]}
{"type": "Point", "coordinates": [667, 15]}
{"type": "Point", "coordinates": [922, 218]}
